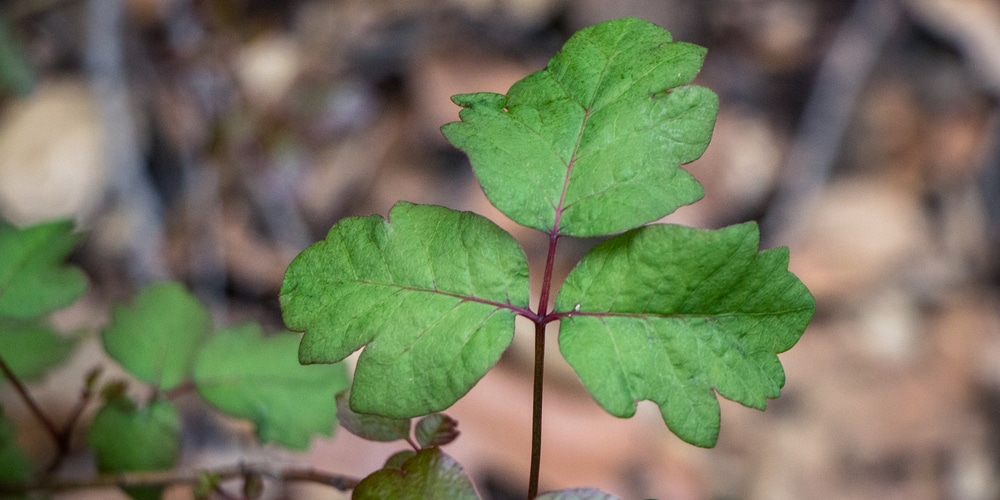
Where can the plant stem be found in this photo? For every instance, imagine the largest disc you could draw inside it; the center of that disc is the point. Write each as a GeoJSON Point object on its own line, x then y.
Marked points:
{"type": "Point", "coordinates": [173, 477]}
{"type": "Point", "coordinates": [536, 411]}
{"type": "Point", "coordinates": [63, 443]}
{"type": "Point", "coordinates": [53, 432]}
{"type": "Point", "coordinates": [536, 399]}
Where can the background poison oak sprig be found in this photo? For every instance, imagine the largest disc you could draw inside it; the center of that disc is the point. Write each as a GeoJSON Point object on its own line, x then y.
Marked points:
{"type": "Point", "coordinates": [165, 341]}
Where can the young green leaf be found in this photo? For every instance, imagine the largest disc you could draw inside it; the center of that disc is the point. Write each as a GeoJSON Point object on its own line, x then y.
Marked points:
{"type": "Point", "coordinates": [591, 144]}
{"type": "Point", "coordinates": [669, 313]}
{"type": "Point", "coordinates": [126, 438]}
{"type": "Point", "coordinates": [436, 429]}
{"type": "Point", "coordinates": [247, 375]}
{"type": "Point", "coordinates": [157, 337]}
{"type": "Point", "coordinates": [31, 348]}
{"type": "Point", "coordinates": [33, 278]}
{"type": "Point", "coordinates": [431, 295]}
{"type": "Point", "coordinates": [368, 426]}
{"type": "Point", "coordinates": [15, 467]}
{"type": "Point", "coordinates": [428, 474]}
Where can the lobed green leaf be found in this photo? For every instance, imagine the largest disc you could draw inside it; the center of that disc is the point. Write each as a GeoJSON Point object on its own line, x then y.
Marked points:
{"type": "Point", "coordinates": [431, 296]}
{"type": "Point", "coordinates": [157, 337]}
{"type": "Point", "coordinates": [428, 474]}
{"type": "Point", "coordinates": [33, 278]}
{"type": "Point", "coordinates": [669, 313]}
{"type": "Point", "coordinates": [245, 374]}
{"type": "Point", "coordinates": [591, 145]}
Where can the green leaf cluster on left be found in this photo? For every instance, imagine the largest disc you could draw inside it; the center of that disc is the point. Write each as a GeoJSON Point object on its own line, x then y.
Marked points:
{"type": "Point", "coordinates": [165, 339]}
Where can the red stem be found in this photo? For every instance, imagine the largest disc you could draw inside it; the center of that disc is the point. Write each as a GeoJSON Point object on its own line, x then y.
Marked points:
{"type": "Point", "coordinates": [536, 401]}
{"type": "Point", "coordinates": [50, 428]}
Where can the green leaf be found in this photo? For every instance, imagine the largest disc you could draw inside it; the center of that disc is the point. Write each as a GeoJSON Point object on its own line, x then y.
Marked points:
{"type": "Point", "coordinates": [669, 313]}
{"type": "Point", "coordinates": [436, 429]}
{"type": "Point", "coordinates": [31, 348]}
{"type": "Point", "coordinates": [15, 466]}
{"type": "Point", "coordinates": [367, 426]}
{"type": "Point", "coordinates": [126, 438]}
{"type": "Point", "coordinates": [258, 378]}
{"type": "Point", "coordinates": [157, 337]}
{"type": "Point", "coordinates": [33, 279]}
{"type": "Point", "coordinates": [428, 474]}
{"type": "Point", "coordinates": [431, 297]}
{"type": "Point", "coordinates": [591, 144]}
{"type": "Point", "coordinates": [576, 494]}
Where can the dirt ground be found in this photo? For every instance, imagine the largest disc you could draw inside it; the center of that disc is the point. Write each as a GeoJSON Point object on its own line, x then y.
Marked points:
{"type": "Point", "coordinates": [210, 141]}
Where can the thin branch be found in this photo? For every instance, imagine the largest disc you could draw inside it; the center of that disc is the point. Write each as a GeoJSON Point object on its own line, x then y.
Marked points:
{"type": "Point", "coordinates": [174, 477]}
{"type": "Point", "coordinates": [66, 434]}
{"type": "Point", "coordinates": [32, 405]}
{"type": "Point", "coordinates": [413, 444]}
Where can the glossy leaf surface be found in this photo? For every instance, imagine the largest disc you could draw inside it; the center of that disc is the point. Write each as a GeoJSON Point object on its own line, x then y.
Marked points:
{"type": "Point", "coordinates": [669, 314]}
{"type": "Point", "coordinates": [429, 294]}
{"type": "Point", "coordinates": [428, 474]}
{"type": "Point", "coordinates": [591, 144]}
{"type": "Point", "coordinates": [247, 375]}
{"type": "Point", "coordinates": [34, 280]}
{"type": "Point", "coordinates": [156, 337]}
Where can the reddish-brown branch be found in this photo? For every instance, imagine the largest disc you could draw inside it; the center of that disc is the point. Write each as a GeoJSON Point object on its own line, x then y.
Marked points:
{"type": "Point", "coordinates": [174, 477]}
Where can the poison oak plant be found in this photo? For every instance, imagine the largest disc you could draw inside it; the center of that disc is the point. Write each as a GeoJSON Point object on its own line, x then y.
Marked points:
{"type": "Point", "coordinates": [589, 146]}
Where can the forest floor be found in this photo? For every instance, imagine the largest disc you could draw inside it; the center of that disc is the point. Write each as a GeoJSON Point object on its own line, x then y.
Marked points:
{"type": "Point", "coordinates": [211, 141]}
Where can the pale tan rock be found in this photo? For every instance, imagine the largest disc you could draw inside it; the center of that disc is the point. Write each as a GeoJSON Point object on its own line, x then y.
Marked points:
{"type": "Point", "coordinates": [52, 161]}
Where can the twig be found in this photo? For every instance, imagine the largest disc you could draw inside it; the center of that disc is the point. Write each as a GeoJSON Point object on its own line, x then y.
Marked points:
{"type": "Point", "coordinates": [174, 477]}
{"type": "Point", "coordinates": [33, 406]}
{"type": "Point", "coordinates": [65, 435]}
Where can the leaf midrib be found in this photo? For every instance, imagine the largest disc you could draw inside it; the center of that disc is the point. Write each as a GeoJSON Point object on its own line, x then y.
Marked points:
{"type": "Point", "coordinates": [587, 111]}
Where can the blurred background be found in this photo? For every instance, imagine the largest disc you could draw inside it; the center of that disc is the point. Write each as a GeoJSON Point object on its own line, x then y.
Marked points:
{"type": "Point", "coordinates": [210, 141]}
